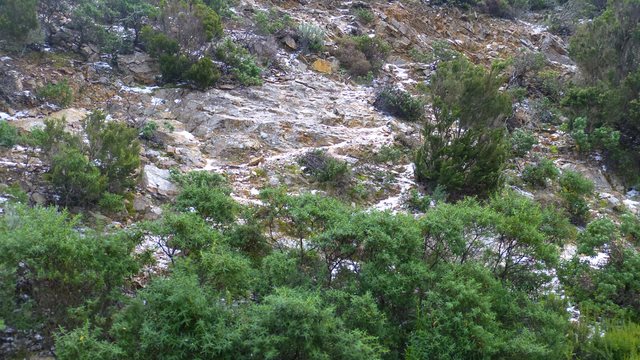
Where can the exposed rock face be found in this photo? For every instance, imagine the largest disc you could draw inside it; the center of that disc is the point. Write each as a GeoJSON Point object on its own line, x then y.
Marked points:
{"type": "Point", "coordinates": [156, 181]}
{"type": "Point", "coordinates": [141, 66]}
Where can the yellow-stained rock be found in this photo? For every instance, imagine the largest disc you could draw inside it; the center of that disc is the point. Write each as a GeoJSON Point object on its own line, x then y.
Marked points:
{"type": "Point", "coordinates": [322, 66]}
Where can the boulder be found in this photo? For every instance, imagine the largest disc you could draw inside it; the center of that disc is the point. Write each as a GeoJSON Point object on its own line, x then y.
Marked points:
{"type": "Point", "coordinates": [322, 66]}
{"type": "Point", "coordinates": [141, 66]}
{"type": "Point", "coordinates": [157, 181]}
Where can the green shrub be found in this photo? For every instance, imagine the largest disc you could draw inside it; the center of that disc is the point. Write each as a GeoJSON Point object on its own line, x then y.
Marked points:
{"type": "Point", "coordinates": [157, 43]}
{"type": "Point", "coordinates": [521, 142]}
{"type": "Point", "coordinates": [148, 130]}
{"type": "Point", "coordinates": [364, 15]}
{"type": "Point", "coordinates": [325, 169]}
{"type": "Point", "coordinates": [242, 65]}
{"type": "Point", "coordinates": [537, 174]}
{"type": "Point", "coordinates": [390, 153]}
{"type": "Point", "coordinates": [203, 73]}
{"type": "Point", "coordinates": [66, 269]}
{"type": "Point", "coordinates": [8, 134]}
{"type": "Point", "coordinates": [574, 188]}
{"type": "Point", "coordinates": [84, 344]}
{"type": "Point", "coordinates": [362, 55]}
{"type": "Point", "coordinates": [208, 194]}
{"type": "Point", "coordinates": [465, 148]}
{"type": "Point", "coordinates": [17, 19]}
{"type": "Point", "coordinates": [112, 203]}
{"type": "Point", "coordinates": [59, 93]}
{"type": "Point", "coordinates": [115, 148]}
{"type": "Point", "coordinates": [400, 103]}
{"type": "Point", "coordinates": [173, 67]}
{"type": "Point", "coordinates": [272, 21]}
{"type": "Point", "coordinates": [76, 180]}
{"type": "Point", "coordinates": [311, 37]}
{"type": "Point", "coordinates": [498, 8]}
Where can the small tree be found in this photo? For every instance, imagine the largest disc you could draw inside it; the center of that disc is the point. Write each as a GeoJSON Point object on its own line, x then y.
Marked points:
{"type": "Point", "coordinates": [17, 19]}
{"type": "Point", "coordinates": [465, 148]}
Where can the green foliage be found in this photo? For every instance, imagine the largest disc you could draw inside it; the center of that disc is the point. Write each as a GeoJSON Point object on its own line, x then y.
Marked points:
{"type": "Point", "coordinates": [203, 73]}
{"type": "Point", "coordinates": [84, 344]}
{"type": "Point", "coordinates": [8, 134]}
{"type": "Point", "coordinates": [173, 67]}
{"type": "Point", "coordinates": [272, 21]}
{"type": "Point", "coordinates": [241, 64]}
{"type": "Point", "coordinates": [114, 147]}
{"type": "Point", "coordinates": [59, 93]}
{"type": "Point", "coordinates": [311, 37]}
{"type": "Point", "coordinates": [209, 195]}
{"type": "Point", "coordinates": [364, 15]}
{"type": "Point", "coordinates": [17, 19]}
{"type": "Point", "coordinates": [292, 323]}
{"type": "Point", "coordinates": [606, 50]}
{"type": "Point", "coordinates": [148, 130]}
{"type": "Point", "coordinates": [157, 43]}
{"type": "Point", "coordinates": [362, 56]}
{"type": "Point", "coordinates": [389, 153]}
{"type": "Point", "coordinates": [465, 148]}
{"type": "Point", "coordinates": [174, 316]}
{"type": "Point", "coordinates": [325, 169]}
{"type": "Point", "coordinates": [574, 188]}
{"type": "Point", "coordinates": [112, 203]}
{"type": "Point", "coordinates": [400, 103]}
{"type": "Point", "coordinates": [43, 248]}
{"type": "Point", "coordinates": [75, 178]}
{"type": "Point", "coordinates": [540, 172]}
{"type": "Point", "coordinates": [521, 142]}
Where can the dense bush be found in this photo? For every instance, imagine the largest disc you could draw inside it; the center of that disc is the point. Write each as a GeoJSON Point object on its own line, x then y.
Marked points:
{"type": "Point", "coordinates": [203, 73]}
{"type": "Point", "coordinates": [465, 148]}
{"type": "Point", "coordinates": [362, 55]}
{"type": "Point", "coordinates": [272, 21]}
{"type": "Point", "coordinates": [208, 194]}
{"type": "Point", "coordinates": [400, 103]}
{"type": "Point", "coordinates": [81, 171]}
{"type": "Point", "coordinates": [241, 65]}
{"type": "Point", "coordinates": [521, 142]}
{"type": "Point", "coordinates": [311, 37]}
{"type": "Point", "coordinates": [607, 56]}
{"type": "Point", "coordinates": [59, 93]}
{"type": "Point", "coordinates": [59, 276]}
{"type": "Point", "coordinates": [539, 173]}
{"type": "Point", "coordinates": [326, 169]}
{"type": "Point", "coordinates": [17, 19]}
{"type": "Point", "coordinates": [8, 134]}
{"type": "Point", "coordinates": [574, 188]}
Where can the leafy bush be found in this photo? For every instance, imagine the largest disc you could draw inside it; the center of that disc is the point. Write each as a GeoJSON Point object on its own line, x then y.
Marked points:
{"type": "Point", "coordinates": [272, 21]}
{"type": "Point", "coordinates": [209, 195]}
{"type": "Point", "coordinates": [465, 148]}
{"type": "Point", "coordinates": [112, 203]}
{"type": "Point", "coordinates": [203, 73]}
{"type": "Point", "coordinates": [325, 169]}
{"type": "Point", "coordinates": [362, 55]}
{"type": "Point", "coordinates": [364, 15]}
{"type": "Point", "coordinates": [537, 174]}
{"type": "Point", "coordinates": [75, 178]}
{"type": "Point", "coordinates": [400, 103]}
{"type": "Point", "coordinates": [59, 93]}
{"type": "Point", "coordinates": [173, 67]}
{"type": "Point", "coordinates": [17, 19]}
{"type": "Point", "coordinates": [574, 188]}
{"type": "Point", "coordinates": [60, 269]}
{"type": "Point", "coordinates": [157, 43]}
{"type": "Point", "coordinates": [8, 134]}
{"type": "Point", "coordinates": [114, 147]}
{"type": "Point", "coordinates": [148, 130]}
{"type": "Point", "coordinates": [311, 37]}
{"type": "Point", "coordinates": [521, 142]}
{"type": "Point", "coordinates": [241, 64]}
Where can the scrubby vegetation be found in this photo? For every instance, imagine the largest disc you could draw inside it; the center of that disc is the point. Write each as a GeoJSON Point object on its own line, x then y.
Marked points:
{"type": "Point", "coordinates": [494, 252]}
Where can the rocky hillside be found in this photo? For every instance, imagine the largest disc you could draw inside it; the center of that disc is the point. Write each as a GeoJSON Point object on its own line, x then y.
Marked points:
{"type": "Point", "coordinates": [309, 124]}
